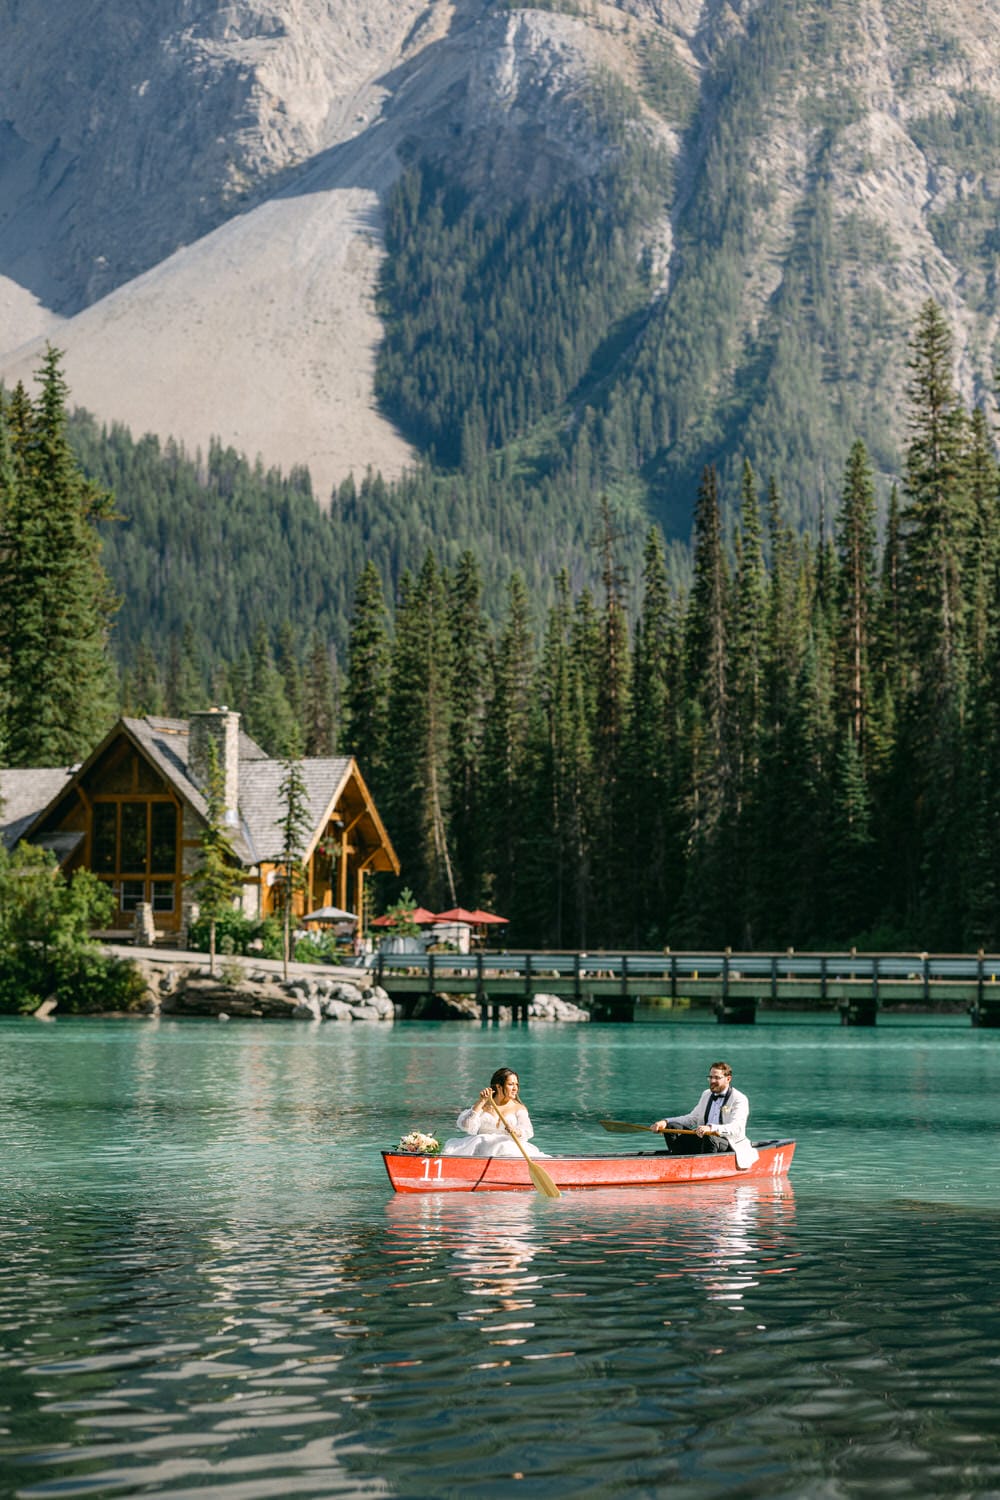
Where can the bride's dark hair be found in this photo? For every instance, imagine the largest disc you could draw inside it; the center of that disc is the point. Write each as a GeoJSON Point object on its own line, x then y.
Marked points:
{"type": "Point", "coordinates": [500, 1078]}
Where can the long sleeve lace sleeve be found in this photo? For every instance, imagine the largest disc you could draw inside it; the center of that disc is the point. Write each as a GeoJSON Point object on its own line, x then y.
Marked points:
{"type": "Point", "coordinates": [522, 1122]}
{"type": "Point", "coordinates": [470, 1120]}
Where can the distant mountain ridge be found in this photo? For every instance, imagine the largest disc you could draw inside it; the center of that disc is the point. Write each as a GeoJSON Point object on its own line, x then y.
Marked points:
{"type": "Point", "coordinates": [194, 207]}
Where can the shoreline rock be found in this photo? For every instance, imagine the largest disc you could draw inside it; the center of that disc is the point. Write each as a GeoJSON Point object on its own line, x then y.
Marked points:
{"type": "Point", "coordinates": [555, 1008]}
{"type": "Point", "coordinates": [244, 990]}
{"type": "Point", "coordinates": [239, 992]}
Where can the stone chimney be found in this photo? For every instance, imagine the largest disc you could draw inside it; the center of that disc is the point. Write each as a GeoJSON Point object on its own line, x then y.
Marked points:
{"type": "Point", "coordinates": [221, 727]}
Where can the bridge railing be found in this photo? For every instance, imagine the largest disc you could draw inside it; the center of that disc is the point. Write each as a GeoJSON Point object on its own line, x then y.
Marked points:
{"type": "Point", "coordinates": [537, 964]}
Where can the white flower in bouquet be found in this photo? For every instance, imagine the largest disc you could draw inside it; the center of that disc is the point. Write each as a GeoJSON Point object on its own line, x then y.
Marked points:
{"type": "Point", "coordinates": [423, 1145]}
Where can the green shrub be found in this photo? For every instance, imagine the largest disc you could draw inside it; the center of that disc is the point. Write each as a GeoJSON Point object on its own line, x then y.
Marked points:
{"type": "Point", "coordinates": [94, 981]}
{"type": "Point", "coordinates": [321, 949]}
{"type": "Point", "coordinates": [45, 947]}
{"type": "Point", "coordinates": [271, 938]}
{"type": "Point", "coordinates": [234, 932]}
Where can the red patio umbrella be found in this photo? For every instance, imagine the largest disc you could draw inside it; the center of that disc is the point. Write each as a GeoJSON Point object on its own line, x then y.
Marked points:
{"type": "Point", "coordinates": [457, 914]}
{"type": "Point", "coordinates": [484, 918]}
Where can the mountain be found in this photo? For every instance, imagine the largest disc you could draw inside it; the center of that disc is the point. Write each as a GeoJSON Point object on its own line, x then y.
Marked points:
{"type": "Point", "coordinates": [194, 204]}
{"type": "Point", "coordinates": [595, 245]}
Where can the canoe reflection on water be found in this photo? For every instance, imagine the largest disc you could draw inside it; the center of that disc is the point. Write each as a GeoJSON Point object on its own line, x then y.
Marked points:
{"type": "Point", "coordinates": [519, 1252]}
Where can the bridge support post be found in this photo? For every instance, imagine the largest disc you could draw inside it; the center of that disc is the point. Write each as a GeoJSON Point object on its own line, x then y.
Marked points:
{"type": "Point", "coordinates": [858, 1011]}
{"type": "Point", "coordinates": [739, 1012]}
{"type": "Point", "coordinates": [481, 995]}
{"type": "Point", "coordinates": [985, 1009]}
{"type": "Point", "coordinates": [519, 1008]}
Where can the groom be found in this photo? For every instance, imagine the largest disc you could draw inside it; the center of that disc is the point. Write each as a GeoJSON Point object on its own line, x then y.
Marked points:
{"type": "Point", "coordinates": [718, 1120]}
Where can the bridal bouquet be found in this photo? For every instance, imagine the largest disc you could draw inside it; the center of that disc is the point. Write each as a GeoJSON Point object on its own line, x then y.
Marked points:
{"type": "Point", "coordinates": [420, 1144]}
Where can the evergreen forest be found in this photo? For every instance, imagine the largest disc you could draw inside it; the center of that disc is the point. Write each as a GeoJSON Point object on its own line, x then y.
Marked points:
{"type": "Point", "coordinates": [799, 744]}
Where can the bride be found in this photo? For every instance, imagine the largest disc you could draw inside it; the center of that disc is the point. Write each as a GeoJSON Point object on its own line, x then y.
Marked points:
{"type": "Point", "coordinates": [484, 1133]}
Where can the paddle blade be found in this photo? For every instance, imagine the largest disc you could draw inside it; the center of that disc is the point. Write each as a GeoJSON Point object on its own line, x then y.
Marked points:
{"type": "Point", "coordinates": [622, 1127]}
{"type": "Point", "coordinates": [543, 1182]}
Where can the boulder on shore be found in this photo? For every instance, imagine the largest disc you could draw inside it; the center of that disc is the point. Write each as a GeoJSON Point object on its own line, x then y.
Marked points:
{"type": "Point", "coordinates": [247, 989]}
{"type": "Point", "coordinates": [251, 992]}
{"type": "Point", "coordinates": [555, 1008]}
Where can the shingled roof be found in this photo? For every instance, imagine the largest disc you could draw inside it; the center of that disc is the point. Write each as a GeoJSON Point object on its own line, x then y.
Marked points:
{"type": "Point", "coordinates": [24, 793]}
{"type": "Point", "coordinates": [166, 744]}
{"type": "Point", "coordinates": [261, 802]}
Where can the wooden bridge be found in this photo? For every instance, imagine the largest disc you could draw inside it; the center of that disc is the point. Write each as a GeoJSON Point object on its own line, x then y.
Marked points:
{"type": "Point", "coordinates": [733, 985]}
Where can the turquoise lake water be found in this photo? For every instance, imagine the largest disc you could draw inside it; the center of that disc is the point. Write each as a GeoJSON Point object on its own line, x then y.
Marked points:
{"type": "Point", "coordinates": [207, 1287]}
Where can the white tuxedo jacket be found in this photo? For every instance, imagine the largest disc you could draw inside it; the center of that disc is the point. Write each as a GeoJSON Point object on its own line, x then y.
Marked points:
{"type": "Point", "coordinates": [732, 1124]}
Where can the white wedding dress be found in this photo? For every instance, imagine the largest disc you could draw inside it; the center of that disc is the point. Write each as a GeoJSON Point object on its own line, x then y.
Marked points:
{"type": "Point", "coordinates": [485, 1136]}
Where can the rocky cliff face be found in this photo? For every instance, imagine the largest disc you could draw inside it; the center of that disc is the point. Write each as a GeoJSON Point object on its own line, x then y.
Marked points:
{"type": "Point", "coordinates": [191, 192]}
{"type": "Point", "coordinates": [192, 203]}
{"type": "Point", "coordinates": [130, 133]}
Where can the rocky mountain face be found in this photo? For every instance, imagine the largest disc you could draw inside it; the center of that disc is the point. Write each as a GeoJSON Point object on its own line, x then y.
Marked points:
{"type": "Point", "coordinates": [192, 199]}
{"type": "Point", "coordinates": [130, 134]}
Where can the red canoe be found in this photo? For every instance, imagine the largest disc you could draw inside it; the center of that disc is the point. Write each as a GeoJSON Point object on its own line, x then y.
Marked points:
{"type": "Point", "coordinates": [409, 1173]}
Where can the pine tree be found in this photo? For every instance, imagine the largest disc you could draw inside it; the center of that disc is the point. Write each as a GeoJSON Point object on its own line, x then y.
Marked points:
{"type": "Point", "coordinates": [611, 861]}
{"type": "Point", "coordinates": [748, 633]}
{"type": "Point", "coordinates": [810, 742]}
{"type": "Point", "coordinates": [236, 681]}
{"type": "Point", "coordinates": [364, 733]}
{"type": "Point", "coordinates": [505, 748]}
{"type": "Point", "coordinates": [545, 863]}
{"type": "Point", "coordinates": [185, 678]}
{"type": "Point", "coordinates": [291, 669]}
{"type": "Point", "coordinates": [983, 554]}
{"type": "Point", "coordinates": [294, 824]}
{"type": "Point", "coordinates": [216, 878]}
{"type": "Point", "coordinates": [888, 658]}
{"type": "Point", "coordinates": [59, 683]}
{"type": "Point", "coordinates": [936, 525]}
{"type": "Point", "coordinates": [708, 777]}
{"type": "Point", "coordinates": [855, 532]}
{"type": "Point", "coordinates": [774, 852]}
{"type": "Point", "coordinates": [936, 528]}
{"type": "Point", "coordinates": [976, 851]}
{"type": "Point", "coordinates": [319, 713]}
{"type": "Point", "coordinates": [652, 755]}
{"type": "Point", "coordinates": [419, 738]}
{"type": "Point", "coordinates": [847, 902]}
{"type": "Point", "coordinates": [268, 715]}
{"type": "Point", "coordinates": [586, 646]}
{"type": "Point", "coordinates": [469, 651]}
{"type": "Point", "coordinates": [8, 506]}
{"type": "Point", "coordinates": [746, 724]}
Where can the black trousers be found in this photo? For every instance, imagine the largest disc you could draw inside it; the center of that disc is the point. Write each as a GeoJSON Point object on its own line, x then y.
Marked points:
{"type": "Point", "coordinates": [694, 1145]}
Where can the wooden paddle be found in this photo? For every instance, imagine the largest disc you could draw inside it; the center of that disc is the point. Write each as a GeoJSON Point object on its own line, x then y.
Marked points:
{"type": "Point", "coordinates": [542, 1181]}
{"type": "Point", "coordinates": [622, 1127]}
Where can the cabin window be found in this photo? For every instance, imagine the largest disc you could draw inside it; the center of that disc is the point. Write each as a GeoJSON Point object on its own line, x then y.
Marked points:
{"type": "Point", "coordinates": [163, 840]}
{"type": "Point", "coordinates": [133, 834]}
{"type": "Point", "coordinates": [163, 895]}
{"type": "Point", "coordinates": [105, 837]}
{"type": "Point", "coordinates": [133, 891]}
{"type": "Point", "coordinates": [134, 837]}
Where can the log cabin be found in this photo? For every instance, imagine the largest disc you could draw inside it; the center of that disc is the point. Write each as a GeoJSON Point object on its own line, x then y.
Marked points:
{"type": "Point", "coordinates": [134, 810]}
